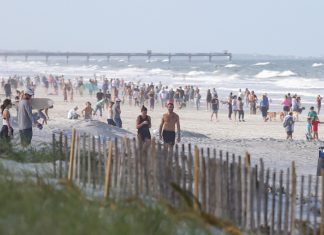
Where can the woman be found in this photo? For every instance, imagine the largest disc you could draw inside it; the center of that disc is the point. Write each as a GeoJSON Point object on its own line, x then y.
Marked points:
{"type": "Point", "coordinates": [208, 99]}
{"type": "Point", "coordinates": [286, 105]}
{"type": "Point", "coordinates": [143, 125]}
{"type": "Point", "coordinates": [110, 114]}
{"type": "Point", "coordinates": [6, 130]}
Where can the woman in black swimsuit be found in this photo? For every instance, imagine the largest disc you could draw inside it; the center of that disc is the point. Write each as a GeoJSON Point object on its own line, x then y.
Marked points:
{"type": "Point", "coordinates": [143, 125]}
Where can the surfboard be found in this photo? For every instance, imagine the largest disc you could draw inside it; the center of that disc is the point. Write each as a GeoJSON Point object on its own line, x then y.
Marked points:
{"type": "Point", "coordinates": [41, 103]}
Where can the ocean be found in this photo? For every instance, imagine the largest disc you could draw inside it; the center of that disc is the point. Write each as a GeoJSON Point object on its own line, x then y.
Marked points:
{"type": "Point", "coordinates": [276, 77]}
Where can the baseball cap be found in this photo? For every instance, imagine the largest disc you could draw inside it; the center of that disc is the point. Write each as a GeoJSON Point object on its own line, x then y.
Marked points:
{"type": "Point", "coordinates": [29, 91]}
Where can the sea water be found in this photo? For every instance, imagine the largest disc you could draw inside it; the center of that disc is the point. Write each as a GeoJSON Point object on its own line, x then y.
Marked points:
{"type": "Point", "coordinates": [275, 76]}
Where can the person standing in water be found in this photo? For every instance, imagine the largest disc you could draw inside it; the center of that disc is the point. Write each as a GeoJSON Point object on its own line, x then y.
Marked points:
{"type": "Point", "coordinates": [169, 121]}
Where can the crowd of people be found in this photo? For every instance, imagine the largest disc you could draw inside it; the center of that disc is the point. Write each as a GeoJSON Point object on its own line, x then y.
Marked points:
{"type": "Point", "coordinates": [111, 93]}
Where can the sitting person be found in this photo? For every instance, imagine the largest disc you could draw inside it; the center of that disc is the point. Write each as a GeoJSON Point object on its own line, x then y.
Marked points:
{"type": "Point", "coordinates": [72, 114]}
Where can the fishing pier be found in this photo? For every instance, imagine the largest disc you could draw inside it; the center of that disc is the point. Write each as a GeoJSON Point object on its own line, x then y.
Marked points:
{"type": "Point", "coordinates": [149, 54]}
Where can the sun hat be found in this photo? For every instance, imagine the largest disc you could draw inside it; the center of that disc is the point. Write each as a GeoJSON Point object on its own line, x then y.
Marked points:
{"type": "Point", "coordinates": [29, 91]}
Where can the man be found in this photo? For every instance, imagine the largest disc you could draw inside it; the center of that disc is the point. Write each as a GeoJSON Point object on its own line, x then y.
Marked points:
{"type": "Point", "coordinates": [116, 113]}
{"type": "Point", "coordinates": [26, 118]}
{"type": "Point", "coordinates": [72, 113]}
{"type": "Point", "coordinates": [264, 106]}
{"type": "Point", "coordinates": [167, 127]}
{"type": "Point", "coordinates": [100, 102]}
{"type": "Point", "coordinates": [312, 113]}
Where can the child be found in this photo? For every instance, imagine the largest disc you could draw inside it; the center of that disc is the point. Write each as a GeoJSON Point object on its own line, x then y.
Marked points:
{"type": "Point", "coordinates": [315, 123]}
{"type": "Point", "coordinates": [309, 129]}
{"type": "Point", "coordinates": [42, 116]}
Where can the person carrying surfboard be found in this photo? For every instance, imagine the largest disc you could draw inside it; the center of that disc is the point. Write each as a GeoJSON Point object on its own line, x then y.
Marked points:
{"type": "Point", "coordinates": [26, 118]}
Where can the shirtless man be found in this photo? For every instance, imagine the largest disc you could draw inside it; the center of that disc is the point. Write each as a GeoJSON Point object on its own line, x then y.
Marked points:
{"type": "Point", "coordinates": [87, 111]}
{"type": "Point", "coordinates": [167, 127]}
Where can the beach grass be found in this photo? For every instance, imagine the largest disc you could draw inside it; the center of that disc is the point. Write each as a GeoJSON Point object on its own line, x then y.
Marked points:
{"type": "Point", "coordinates": [29, 207]}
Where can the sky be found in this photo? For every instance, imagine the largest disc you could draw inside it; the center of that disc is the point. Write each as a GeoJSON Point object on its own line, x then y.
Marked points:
{"type": "Point", "coordinates": [274, 27]}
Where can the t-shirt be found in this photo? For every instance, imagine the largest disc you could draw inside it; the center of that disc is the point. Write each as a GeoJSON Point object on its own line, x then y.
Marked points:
{"type": "Point", "coordinates": [312, 114]}
{"type": "Point", "coordinates": [25, 115]}
{"type": "Point", "coordinates": [116, 109]}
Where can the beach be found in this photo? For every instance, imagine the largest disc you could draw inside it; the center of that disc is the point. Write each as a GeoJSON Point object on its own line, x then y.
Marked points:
{"type": "Point", "coordinates": [261, 139]}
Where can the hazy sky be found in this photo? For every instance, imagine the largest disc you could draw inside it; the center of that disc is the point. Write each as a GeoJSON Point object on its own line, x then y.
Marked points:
{"type": "Point", "coordinates": [277, 27]}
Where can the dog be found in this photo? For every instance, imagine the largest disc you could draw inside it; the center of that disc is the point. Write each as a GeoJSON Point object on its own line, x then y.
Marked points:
{"type": "Point", "coordinates": [296, 116]}
{"type": "Point", "coordinates": [281, 115]}
{"type": "Point", "coordinates": [272, 116]}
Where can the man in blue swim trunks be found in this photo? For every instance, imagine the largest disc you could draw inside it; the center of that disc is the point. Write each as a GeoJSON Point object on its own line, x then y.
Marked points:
{"type": "Point", "coordinates": [167, 127]}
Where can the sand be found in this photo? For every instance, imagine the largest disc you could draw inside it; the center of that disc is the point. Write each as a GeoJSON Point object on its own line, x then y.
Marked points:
{"type": "Point", "coordinates": [261, 139]}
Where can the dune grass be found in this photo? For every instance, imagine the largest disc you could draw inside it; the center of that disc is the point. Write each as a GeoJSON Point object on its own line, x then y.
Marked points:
{"type": "Point", "coordinates": [39, 208]}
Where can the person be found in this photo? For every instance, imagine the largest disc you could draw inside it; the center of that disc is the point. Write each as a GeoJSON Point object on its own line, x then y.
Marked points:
{"type": "Point", "coordinates": [288, 124]}
{"type": "Point", "coordinates": [42, 116]}
{"type": "Point", "coordinates": [234, 106]}
{"type": "Point", "coordinates": [110, 114]}
{"type": "Point", "coordinates": [167, 127]}
{"type": "Point", "coordinates": [318, 103]}
{"type": "Point", "coordinates": [72, 114]}
{"type": "Point", "coordinates": [312, 113]}
{"type": "Point", "coordinates": [315, 122]}
{"type": "Point", "coordinates": [26, 118]}
{"type": "Point", "coordinates": [7, 89]}
{"type": "Point", "coordinates": [264, 106]}
{"type": "Point", "coordinates": [87, 111]}
{"type": "Point", "coordinates": [208, 99]}
{"type": "Point", "coordinates": [116, 113]}
{"type": "Point", "coordinates": [100, 102]}
{"type": "Point", "coordinates": [240, 106]}
{"type": "Point", "coordinates": [286, 104]}
{"type": "Point", "coordinates": [229, 102]}
{"type": "Point", "coordinates": [215, 107]}
{"type": "Point", "coordinates": [309, 129]}
{"type": "Point", "coordinates": [143, 125]}
{"type": "Point", "coordinates": [6, 130]}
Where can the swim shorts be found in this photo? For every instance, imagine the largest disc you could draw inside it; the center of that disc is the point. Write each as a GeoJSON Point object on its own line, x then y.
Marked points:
{"type": "Point", "coordinates": [168, 137]}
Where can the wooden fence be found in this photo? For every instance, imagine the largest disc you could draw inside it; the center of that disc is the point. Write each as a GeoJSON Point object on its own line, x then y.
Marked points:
{"type": "Point", "coordinates": [255, 198]}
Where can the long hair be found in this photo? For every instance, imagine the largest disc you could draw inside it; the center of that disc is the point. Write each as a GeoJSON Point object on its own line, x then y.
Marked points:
{"type": "Point", "coordinates": [5, 104]}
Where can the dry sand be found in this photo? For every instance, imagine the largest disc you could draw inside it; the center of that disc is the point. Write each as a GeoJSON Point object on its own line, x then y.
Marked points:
{"type": "Point", "coordinates": [260, 139]}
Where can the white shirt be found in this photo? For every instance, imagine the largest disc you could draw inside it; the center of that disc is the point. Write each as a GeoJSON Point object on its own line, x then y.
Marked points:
{"type": "Point", "coordinates": [71, 114]}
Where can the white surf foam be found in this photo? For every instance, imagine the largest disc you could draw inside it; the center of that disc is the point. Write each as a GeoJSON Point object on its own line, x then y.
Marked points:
{"type": "Point", "coordinates": [271, 74]}
{"type": "Point", "coordinates": [195, 73]}
{"type": "Point", "coordinates": [261, 63]}
{"type": "Point", "coordinates": [231, 66]}
{"type": "Point", "coordinates": [300, 83]}
{"type": "Point", "coordinates": [317, 65]}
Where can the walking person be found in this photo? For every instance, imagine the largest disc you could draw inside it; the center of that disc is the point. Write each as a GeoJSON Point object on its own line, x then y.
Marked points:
{"type": "Point", "coordinates": [318, 103]}
{"type": "Point", "coordinates": [116, 113]}
{"type": "Point", "coordinates": [264, 106]}
{"type": "Point", "coordinates": [143, 125]}
{"type": "Point", "coordinates": [26, 118]}
{"type": "Point", "coordinates": [208, 99]}
{"type": "Point", "coordinates": [215, 107]}
{"type": "Point", "coordinates": [288, 124]}
{"type": "Point", "coordinates": [6, 130]}
{"type": "Point", "coordinates": [169, 122]}
{"type": "Point", "coordinates": [240, 106]}
{"type": "Point", "coordinates": [234, 106]}
{"type": "Point", "coordinates": [111, 114]}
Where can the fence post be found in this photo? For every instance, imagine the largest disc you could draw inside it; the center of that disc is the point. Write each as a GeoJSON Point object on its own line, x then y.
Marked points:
{"type": "Point", "coordinates": [293, 198]}
{"type": "Point", "coordinates": [54, 154]}
{"type": "Point", "coordinates": [196, 179]}
{"type": "Point", "coordinates": [322, 205]}
{"type": "Point", "coordinates": [72, 156]}
{"type": "Point", "coordinates": [108, 170]}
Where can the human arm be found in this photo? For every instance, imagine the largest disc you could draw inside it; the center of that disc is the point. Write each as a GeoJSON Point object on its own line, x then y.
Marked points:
{"type": "Point", "coordinates": [161, 126]}
{"type": "Point", "coordinates": [6, 116]}
{"type": "Point", "coordinates": [178, 129]}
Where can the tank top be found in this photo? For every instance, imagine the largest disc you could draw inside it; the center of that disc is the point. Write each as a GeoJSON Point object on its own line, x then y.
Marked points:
{"type": "Point", "coordinates": [6, 122]}
{"type": "Point", "coordinates": [144, 131]}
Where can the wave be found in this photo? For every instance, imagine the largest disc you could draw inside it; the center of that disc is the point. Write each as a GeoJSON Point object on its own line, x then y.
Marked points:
{"type": "Point", "coordinates": [165, 61]}
{"type": "Point", "coordinates": [232, 66]}
{"type": "Point", "coordinates": [195, 73]}
{"type": "Point", "coordinates": [272, 74]}
{"type": "Point", "coordinates": [317, 65]}
{"type": "Point", "coordinates": [300, 83]}
{"type": "Point", "coordinates": [261, 63]}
